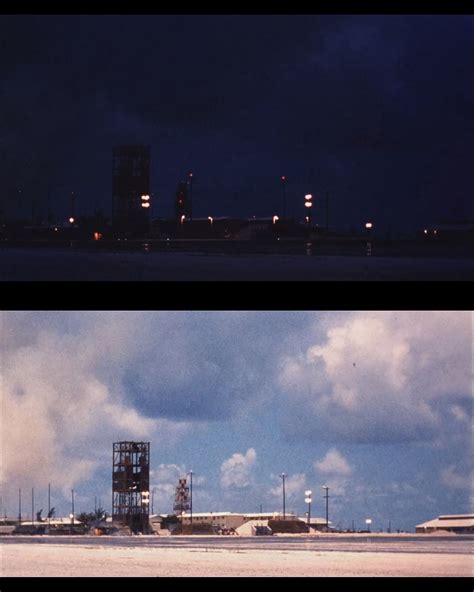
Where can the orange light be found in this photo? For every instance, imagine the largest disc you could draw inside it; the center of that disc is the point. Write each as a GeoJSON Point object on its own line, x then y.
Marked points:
{"type": "Point", "coordinates": [97, 236]}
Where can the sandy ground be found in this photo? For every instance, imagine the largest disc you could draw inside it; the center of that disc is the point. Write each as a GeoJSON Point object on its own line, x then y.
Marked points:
{"type": "Point", "coordinates": [54, 264]}
{"type": "Point", "coordinates": [83, 560]}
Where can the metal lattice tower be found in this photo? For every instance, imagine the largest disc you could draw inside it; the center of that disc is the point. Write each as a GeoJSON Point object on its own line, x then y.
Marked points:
{"type": "Point", "coordinates": [181, 498]}
{"type": "Point", "coordinates": [131, 484]}
{"type": "Point", "coordinates": [130, 180]}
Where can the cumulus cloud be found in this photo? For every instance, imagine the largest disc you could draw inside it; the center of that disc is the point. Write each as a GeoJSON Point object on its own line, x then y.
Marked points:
{"type": "Point", "coordinates": [380, 376]}
{"type": "Point", "coordinates": [453, 479]}
{"type": "Point", "coordinates": [236, 471]}
{"type": "Point", "coordinates": [60, 416]}
{"type": "Point", "coordinates": [334, 463]}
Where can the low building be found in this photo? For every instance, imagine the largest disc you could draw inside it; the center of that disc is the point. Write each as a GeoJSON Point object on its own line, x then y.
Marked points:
{"type": "Point", "coordinates": [232, 520]}
{"type": "Point", "coordinates": [317, 524]}
{"type": "Point", "coordinates": [265, 516]}
{"type": "Point", "coordinates": [457, 523]}
{"type": "Point", "coordinates": [219, 520]}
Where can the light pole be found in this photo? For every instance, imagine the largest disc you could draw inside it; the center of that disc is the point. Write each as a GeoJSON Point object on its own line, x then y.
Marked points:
{"type": "Point", "coordinates": [308, 494]}
{"type": "Point", "coordinates": [190, 182]}
{"type": "Point", "coordinates": [275, 219]}
{"type": "Point", "coordinates": [283, 476]}
{"type": "Point", "coordinates": [368, 522]}
{"type": "Point", "coordinates": [308, 204]}
{"type": "Point", "coordinates": [145, 204]}
{"type": "Point", "coordinates": [327, 212]}
{"type": "Point", "coordinates": [72, 509]}
{"type": "Point", "coordinates": [368, 227]}
{"type": "Point", "coordinates": [49, 507]}
{"type": "Point", "coordinates": [19, 506]}
{"type": "Point", "coordinates": [32, 506]}
{"type": "Point", "coordinates": [283, 184]}
{"type": "Point", "coordinates": [191, 499]}
{"type": "Point", "coordinates": [327, 506]}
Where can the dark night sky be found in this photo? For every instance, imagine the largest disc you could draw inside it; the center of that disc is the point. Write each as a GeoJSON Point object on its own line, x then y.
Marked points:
{"type": "Point", "coordinates": [376, 110]}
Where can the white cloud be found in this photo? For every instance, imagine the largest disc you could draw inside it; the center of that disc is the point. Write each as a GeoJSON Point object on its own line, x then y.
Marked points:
{"type": "Point", "coordinates": [60, 416]}
{"type": "Point", "coordinates": [236, 471]}
{"type": "Point", "coordinates": [453, 479]}
{"type": "Point", "coordinates": [380, 376]}
{"type": "Point", "coordinates": [334, 463]}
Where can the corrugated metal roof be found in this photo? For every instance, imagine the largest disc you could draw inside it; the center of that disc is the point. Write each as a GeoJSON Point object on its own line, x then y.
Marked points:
{"type": "Point", "coordinates": [448, 522]}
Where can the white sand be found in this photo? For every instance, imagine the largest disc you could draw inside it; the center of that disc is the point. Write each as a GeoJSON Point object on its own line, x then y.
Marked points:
{"type": "Point", "coordinates": [83, 560]}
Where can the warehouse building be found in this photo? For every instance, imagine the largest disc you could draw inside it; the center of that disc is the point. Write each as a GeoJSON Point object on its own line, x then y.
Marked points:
{"type": "Point", "coordinates": [457, 523]}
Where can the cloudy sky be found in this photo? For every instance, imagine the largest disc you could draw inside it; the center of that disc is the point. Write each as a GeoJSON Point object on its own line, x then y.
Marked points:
{"type": "Point", "coordinates": [374, 111]}
{"type": "Point", "coordinates": [376, 405]}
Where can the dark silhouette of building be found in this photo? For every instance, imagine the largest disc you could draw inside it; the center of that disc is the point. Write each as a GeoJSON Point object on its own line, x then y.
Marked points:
{"type": "Point", "coordinates": [130, 180]}
{"type": "Point", "coordinates": [131, 485]}
{"type": "Point", "coordinates": [183, 202]}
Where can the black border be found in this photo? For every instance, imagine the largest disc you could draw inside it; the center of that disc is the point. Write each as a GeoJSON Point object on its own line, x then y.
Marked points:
{"type": "Point", "coordinates": [222, 295]}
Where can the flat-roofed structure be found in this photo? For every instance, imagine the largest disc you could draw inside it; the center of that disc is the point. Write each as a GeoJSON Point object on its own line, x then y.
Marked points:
{"type": "Point", "coordinates": [223, 520]}
{"type": "Point", "coordinates": [458, 523]}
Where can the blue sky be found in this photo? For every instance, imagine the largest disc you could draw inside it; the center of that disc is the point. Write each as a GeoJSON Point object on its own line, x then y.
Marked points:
{"type": "Point", "coordinates": [376, 405]}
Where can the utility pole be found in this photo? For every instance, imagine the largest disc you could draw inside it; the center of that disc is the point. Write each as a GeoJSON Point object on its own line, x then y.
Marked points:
{"type": "Point", "coordinates": [327, 506]}
{"type": "Point", "coordinates": [49, 506]}
{"type": "Point", "coordinates": [283, 476]}
{"type": "Point", "coordinates": [327, 212]}
{"type": "Point", "coordinates": [191, 500]}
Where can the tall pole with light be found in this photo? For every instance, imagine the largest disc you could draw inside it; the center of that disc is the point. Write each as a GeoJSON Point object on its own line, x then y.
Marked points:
{"type": "Point", "coordinates": [368, 227]}
{"type": "Point", "coordinates": [190, 183]}
{"type": "Point", "coordinates": [308, 500]}
{"type": "Point", "coordinates": [283, 184]}
{"type": "Point", "coordinates": [191, 499]}
{"type": "Point", "coordinates": [72, 509]}
{"type": "Point", "coordinates": [49, 506]}
{"type": "Point", "coordinates": [146, 204]}
{"type": "Point", "coordinates": [19, 506]}
{"type": "Point", "coordinates": [283, 476]}
{"type": "Point", "coordinates": [308, 204]}
{"type": "Point", "coordinates": [326, 488]}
